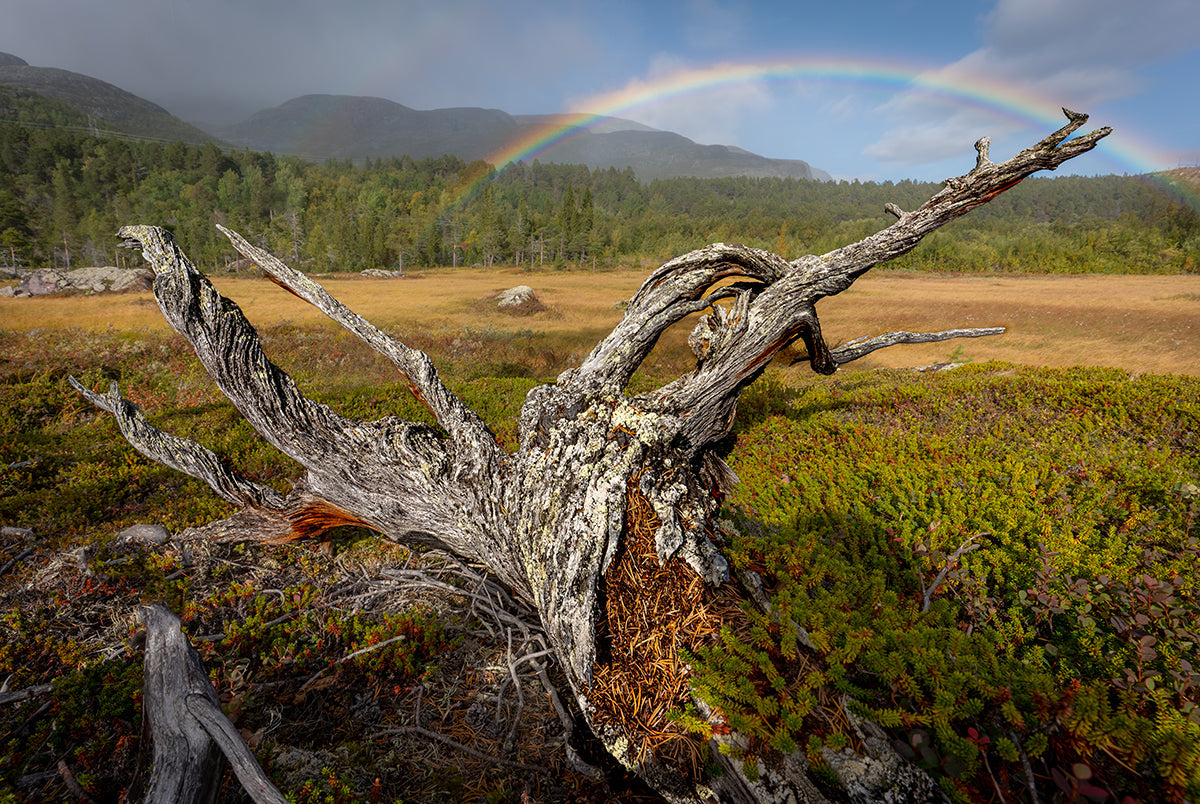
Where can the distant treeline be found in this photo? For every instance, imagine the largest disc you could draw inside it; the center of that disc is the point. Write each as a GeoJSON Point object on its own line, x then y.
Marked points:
{"type": "Point", "coordinates": [63, 193]}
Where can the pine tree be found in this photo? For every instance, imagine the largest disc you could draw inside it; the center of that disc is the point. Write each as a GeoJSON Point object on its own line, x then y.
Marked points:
{"type": "Point", "coordinates": [568, 222]}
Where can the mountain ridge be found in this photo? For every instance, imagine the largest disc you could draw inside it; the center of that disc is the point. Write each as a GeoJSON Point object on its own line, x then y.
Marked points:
{"type": "Point", "coordinates": [315, 126]}
{"type": "Point", "coordinates": [357, 127]}
{"type": "Point", "coordinates": [322, 126]}
{"type": "Point", "coordinates": [99, 99]}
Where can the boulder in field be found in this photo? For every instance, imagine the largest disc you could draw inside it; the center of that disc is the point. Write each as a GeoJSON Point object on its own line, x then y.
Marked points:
{"type": "Point", "coordinates": [108, 279]}
{"type": "Point", "coordinates": [42, 282]}
{"type": "Point", "coordinates": [520, 300]}
{"type": "Point", "coordinates": [144, 534]}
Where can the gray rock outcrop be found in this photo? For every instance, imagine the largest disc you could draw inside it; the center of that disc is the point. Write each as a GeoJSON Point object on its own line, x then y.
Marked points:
{"type": "Point", "coordinates": [82, 280]}
{"type": "Point", "coordinates": [520, 299]}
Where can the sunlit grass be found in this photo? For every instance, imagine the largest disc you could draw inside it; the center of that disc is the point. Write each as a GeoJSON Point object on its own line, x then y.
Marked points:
{"type": "Point", "coordinates": [1137, 323]}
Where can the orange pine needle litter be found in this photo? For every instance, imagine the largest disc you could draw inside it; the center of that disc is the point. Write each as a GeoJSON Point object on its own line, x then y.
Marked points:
{"type": "Point", "coordinates": [651, 611]}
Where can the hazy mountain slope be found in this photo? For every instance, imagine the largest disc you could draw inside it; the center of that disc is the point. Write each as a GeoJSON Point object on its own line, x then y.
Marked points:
{"type": "Point", "coordinates": [103, 101]}
{"type": "Point", "coordinates": [663, 154]}
{"type": "Point", "coordinates": [1186, 176]}
{"type": "Point", "coordinates": [37, 111]}
{"type": "Point", "coordinates": [341, 127]}
{"type": "Point", "coordinates": [596, 125]}
{"type": "Point", "coordinates": [349, 127]}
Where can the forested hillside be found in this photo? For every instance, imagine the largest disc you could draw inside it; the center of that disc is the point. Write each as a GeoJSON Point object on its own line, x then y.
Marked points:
{"type": "Point", "coordinates": [32, 93]}
{"type": "Point", "coordinates": [64, 193]}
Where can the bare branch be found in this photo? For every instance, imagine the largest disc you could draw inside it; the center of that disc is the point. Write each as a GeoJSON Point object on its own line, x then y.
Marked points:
{"type": "Point", "coordinates": [227, 345]}
{"type": "Point", "coordinates": [396, 477]}
{"type": "Point", "coordinates": [189, 729]}
{"type": "Point", "coordinates": [861, 347]}
{"type": "Point", "coordinates": [16, 696]}
{"type": "Point", "coordinates": [186, 764]}
{"type": "Point", "coordinates": [178, 453]}
{"type": "Point", "coordinates": [68, 777]}
{"type": "Point", "coordinates": [256, 784]}
{"type": "Point", "coordinates": [837, 270]}
{"type": "Point", "coordinates": [673, 292]}
{"type": "Point", "coordinates": [462, 423]}
{"type": "Point", "coordinates": [967, 546]}
{"type": "Point", "coordinates": [12, 562]}
{"type": "Point", "coordinates": [737, 348]}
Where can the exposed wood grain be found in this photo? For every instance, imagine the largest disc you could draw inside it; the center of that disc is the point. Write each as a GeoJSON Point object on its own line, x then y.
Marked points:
{"type": "Point", "coordinates": [187, 764]}
{"type": "Point", "coordinates": [548, 519]}
{"type": "Point", "coordinates": [183, 717]}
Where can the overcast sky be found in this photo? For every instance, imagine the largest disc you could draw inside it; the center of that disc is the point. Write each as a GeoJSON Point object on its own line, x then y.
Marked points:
{"type": "Point", "coordinates": [866, 88]}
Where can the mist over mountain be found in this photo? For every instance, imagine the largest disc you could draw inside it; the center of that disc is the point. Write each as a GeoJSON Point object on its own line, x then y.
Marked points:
{"type": "Point", "coordinates": [350, 127]}
{"type": "Point", "coordinates": [103, 102]}
{"type": "Point", "coordinates": [664, 154]}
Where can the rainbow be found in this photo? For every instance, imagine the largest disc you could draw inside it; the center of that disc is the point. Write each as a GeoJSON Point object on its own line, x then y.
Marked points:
{"type": "Point", "coordinates": [1015, 104]}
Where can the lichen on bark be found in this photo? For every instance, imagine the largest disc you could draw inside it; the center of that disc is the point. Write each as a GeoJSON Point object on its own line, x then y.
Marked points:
{"type": "Point", "coordinates": [594, 464]}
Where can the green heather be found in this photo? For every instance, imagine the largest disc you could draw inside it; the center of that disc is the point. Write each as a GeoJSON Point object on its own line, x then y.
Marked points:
{"type": "Point", "coordinates": [997, 563]}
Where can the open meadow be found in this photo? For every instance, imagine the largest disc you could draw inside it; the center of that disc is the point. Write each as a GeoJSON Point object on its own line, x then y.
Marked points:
{"type": "Point", "coordinates": [998, 563]}
{"type": "Point", "coordinates": [1136, 323]}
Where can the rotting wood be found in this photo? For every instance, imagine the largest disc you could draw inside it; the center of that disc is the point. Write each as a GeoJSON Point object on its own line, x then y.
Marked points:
{"type": "Point", "coordinates": [183, 718]}
{"type": "Point", "coordinates": [16, 696]}
{"type": "Point", "coordinates": [548, 520]}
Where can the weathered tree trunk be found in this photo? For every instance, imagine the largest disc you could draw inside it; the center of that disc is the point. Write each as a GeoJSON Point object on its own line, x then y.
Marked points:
{"type": "Point", "coordinates": [604, 517]}
{"type": "Point", "coordinates": [190, 733]}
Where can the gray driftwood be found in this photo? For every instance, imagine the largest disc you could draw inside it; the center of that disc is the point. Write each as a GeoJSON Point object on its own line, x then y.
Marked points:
{"type": "Point", "coordinates": [182, 715]}
{"type": "Point", "coordinates": [548, 519]}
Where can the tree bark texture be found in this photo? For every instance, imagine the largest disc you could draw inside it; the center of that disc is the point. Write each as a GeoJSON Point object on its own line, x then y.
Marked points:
{"type": "Point", "coordinates": [191, 734]}
{"type": "Point", "coordinates": [604, 518]}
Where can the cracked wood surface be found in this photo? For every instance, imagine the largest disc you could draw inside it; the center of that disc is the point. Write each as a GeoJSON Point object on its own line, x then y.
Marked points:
{"type": "Point", "coordinates": [191, 734]}
{"type": "Point", "coordinates": [547, 520]}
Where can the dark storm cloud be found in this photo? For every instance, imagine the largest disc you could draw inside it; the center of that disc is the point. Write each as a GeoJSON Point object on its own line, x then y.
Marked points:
{"type": "Point", "coordinates": [1131, 64]}
{"type": "Point", "coordinates": [226, 59]}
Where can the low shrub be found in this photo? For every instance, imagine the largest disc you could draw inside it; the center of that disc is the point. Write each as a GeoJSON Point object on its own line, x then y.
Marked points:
{"type": "Point", "coordinates": [997, 565]}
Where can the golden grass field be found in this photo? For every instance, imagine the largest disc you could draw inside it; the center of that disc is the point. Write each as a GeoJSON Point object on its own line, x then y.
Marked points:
{"type": "Point", "coordinates": [1137, 323]}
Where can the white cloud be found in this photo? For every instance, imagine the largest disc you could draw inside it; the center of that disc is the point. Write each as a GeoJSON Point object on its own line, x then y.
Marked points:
{"type": "Point", "coordinates": [921, 144]}
{"type": "Point", "coordinates": [1075, 53]}
{"type": "Point", "coordinates": [705, 111]}
{"type": "Point", "coordinates": [1049, 33]}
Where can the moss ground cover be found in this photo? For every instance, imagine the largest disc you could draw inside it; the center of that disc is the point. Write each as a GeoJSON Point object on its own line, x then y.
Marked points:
{"type": "Point", "coordinates": [319, 657]}
{"type": "Point", "coordinates": [998, 564]}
